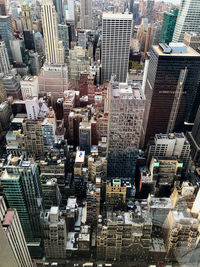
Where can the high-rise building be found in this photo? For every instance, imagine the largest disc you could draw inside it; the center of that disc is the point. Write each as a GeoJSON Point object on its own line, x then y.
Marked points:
{"type": "Point", "coordinates": [58, 6]}
{"type": "Point", "coordinates": [3, 95]}
{"type": "Point", "coordinates": [115, 235]}
{"type": "Point", "coordinates": [55, 235]}
{"type": "Point", "coordinates": [93, 203]}
{"type": "Point", "coordinates": [171, 89]}
{"type": "Point", "coordinates": [21, 183]}
{"type": "Point", "coordinates": [82, 39]}
{"type": "Point", "coordinates": [85, 136]}
{"type": "Point", "coordinates": [126, 111]}
{"type": "Point", "coordinates": [71, 11]}
{"type": "Point", "coordinates": [26, 17]}
{"type": "Point", "coordinates": [168, 146]}
{"type": "Point", "coordinates": [7, 33]}
{"type": "Point", "coordinates": [39, 46]}
{"type": "Point", "coordinates": [3, 11]}
{"type": "Point", "coordinates": [12, 86]}
{"type": "Point", "coordinates": [192, 39]}
{"type": "Point", "coordinates": [63, 34]}
{"type": "Point", "coordinates": [188, 19]}
{"type": "Point", "coordinates": [5, 114]}
{"type": "Point", "coordinates": [51, 193]}
{"type": "Point", "coordinates": [53, 48]}
{"type": "Point", "coordinates": [33, 138]}
{"type": "Point", "coordinates": [14, 249]}
{"type": "Point", "coordinates": [34, 63]}
{"type": "Point", "coordinates": [168, 26]}
{"type": "Point", "coordinates": [29, 40]}
{"type": "Point", "coordinates": [53, 79]}
{"type": "Point", "coordinates": [131, 5]}
{"type": "Point", "coordinates": [116, 37]}
{"type": "Point", "coordinates": [29, 86]}
{"type": "Point", "coordinates": [149, 10]}
{"type": "Point", "coordinates": [32, 107]}
{"type": "Point", "coordinates": [4, 60]}
{"type": "Point", "coordinates": [86, 14]}
{"type": "Point", "coordinates": [19, 52]}
{"type": "Point", "coordinates": [194, 139]}
{"type": "Point", "coordinates": [180, 233]}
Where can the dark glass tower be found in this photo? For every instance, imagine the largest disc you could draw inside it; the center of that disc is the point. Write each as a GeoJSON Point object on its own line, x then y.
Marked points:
{"type": "Point", "coordinates": [171, 90]}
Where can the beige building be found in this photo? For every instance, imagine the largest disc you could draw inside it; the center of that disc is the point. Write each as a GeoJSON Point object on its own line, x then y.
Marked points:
{"type": "Point", "coordinates": [115, 193]}
{"type": "Point", "coordinates": [78, 62]}
{"type": "Point", "coordinates": [55, 235]}
{"type": "Point", "coordinates": [53, 79]}
{"type": "Point", "coordinates": [26, 17]}
{"type": "Point", "coordinates": [13, 249]}
{"type": "Point", "coordinates": [33, 138]}
{"type": "Point", "coordinates": [93, 203]}
{"type": "Point", "coordinates": [181, 234]}
{"type": "Point", "coordinates": [53, 47]}
{"type": "Point", "coordinates": [124, 235]}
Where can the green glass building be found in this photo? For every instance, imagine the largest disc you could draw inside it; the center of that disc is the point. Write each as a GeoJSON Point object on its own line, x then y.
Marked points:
{"type": "Point", "coordinates": [168, 26]}
{"type": "Point", "coordinates": [20, 181]}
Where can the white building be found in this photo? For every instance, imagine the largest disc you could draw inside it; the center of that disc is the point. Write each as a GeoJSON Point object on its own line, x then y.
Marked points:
{"type": "Point", "coordinates": [4, 59]}
{"type": "Point", "coordinates": [70, 14]}
{"type": "Point", "coordinates": [86, 14]}
{"type": "Point", "coordinates": [32, 108]}
{"type": "Point", "coordinates": [188, 19]}
{"type": "Point", "coordinates": [29, 87]}
{"type": "Point", "coordinates": [170, 145]}
{"type": "Point", "coordinates": [116, 37]}
{"type": "Point", "coordinates": [53, 48]}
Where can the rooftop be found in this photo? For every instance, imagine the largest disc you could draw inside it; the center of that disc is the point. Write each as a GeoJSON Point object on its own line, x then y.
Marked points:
{"type": "Point", "coordinates": [80, 157]}
{"type": "Point", "coordinates": [118, 16]}
{"type": "Point", "coordinates": [189, 53]}
{"type": "Point", "coordinates": [127, 91]}
{"type": "Point", "coordinates": [8, 217]}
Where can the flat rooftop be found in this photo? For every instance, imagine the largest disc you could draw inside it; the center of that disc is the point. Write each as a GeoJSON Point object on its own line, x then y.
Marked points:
{"type": "Point", "coordinates": [190, 52]}
{"type": "Point", "coordinates": [8, 217]}
{"type": "Point", "coordinates": [120, 16]}
{"type": "Point", "coordinates": [80, 157]}
{"type": "Point", "coordinates": [127, 91]}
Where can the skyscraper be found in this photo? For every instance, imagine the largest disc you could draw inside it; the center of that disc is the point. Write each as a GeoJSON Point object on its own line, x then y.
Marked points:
{"type": "Point", "coordinates": [4, 60]}
{"type": "Point", "coordinates": [3, 11]}
{"type": "Point", "coordinates": [188, 19]}
{"type": "Point", "coordinates": [71, 11]}
{"type": "Point", "coordinates": [126, 111]}
{"type": "Point", "coordinates": [55, 235]}
{"type": "Point", "coordinates": [63, 34]}
{"type": "Point", "coordinates": [194, 139]}
{"type": "Point", "coordinates": [21, 183]}
{"type": "Point", "coordinates": [116, 37]}
{"type": "Point", "coordinates": [168, 26]}
{"type": "Point", "coordinates": [86, 14]}
{"type": "Point", "coordinates": [131, 4]}
{"type": "Point", "coordinates": [26, 17]}
{"type": "Point", "coordinates": [3, 95]}
{"type": "Point", "coordinates": [58, 6]}
{"type": "Point", "coordinates": [53, 48]}
{"type": "Point", "coordinates": [171, 89]}
{"type": "Point", "coordinates": [149, 10]}
{"type": "Point", "coordinates": [7, 33]}
{"type": "Point", "coordinates": [12, 239]}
